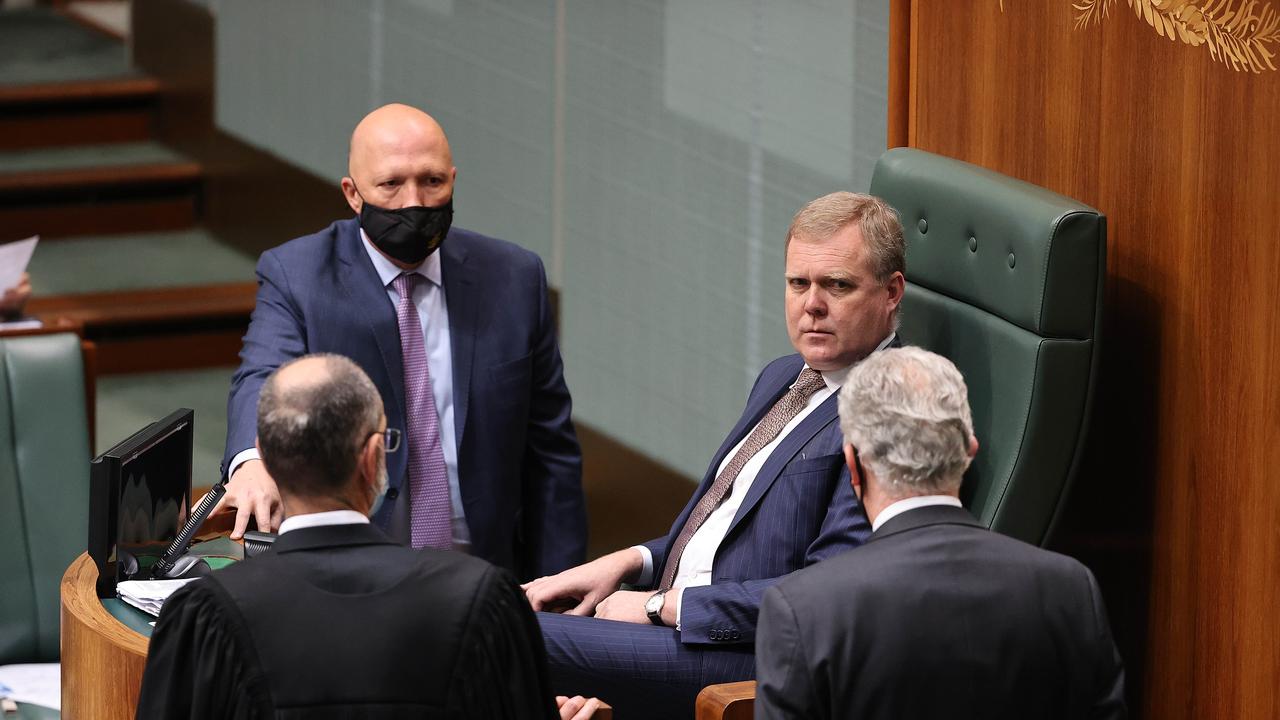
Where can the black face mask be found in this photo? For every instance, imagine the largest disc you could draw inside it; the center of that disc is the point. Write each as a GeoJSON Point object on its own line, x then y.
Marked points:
{"type": "Point", "coordinates": [408, 234]}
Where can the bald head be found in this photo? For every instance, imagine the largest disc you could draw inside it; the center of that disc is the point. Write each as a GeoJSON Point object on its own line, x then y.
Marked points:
{"type": "Point", "coordinates": [314, 415]}
{"type": "Point", "coordinates": [399, 157]}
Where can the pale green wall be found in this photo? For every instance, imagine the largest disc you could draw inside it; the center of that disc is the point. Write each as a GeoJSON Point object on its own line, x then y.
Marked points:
{"type": "Point", "coordinates": [651, 152]}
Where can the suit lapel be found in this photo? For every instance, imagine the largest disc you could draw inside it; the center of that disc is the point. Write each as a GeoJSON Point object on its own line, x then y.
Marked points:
{"type": "Point", "coordinates": [758, 403]}
{"type": "Point", "coordinates": [791, 443]}
{"type": "Point", "coordinates": [756, 409]}
{"type": "Point", "coordinates": [459, 292]}
{"type": "Point", "coordinates": [364, 288]}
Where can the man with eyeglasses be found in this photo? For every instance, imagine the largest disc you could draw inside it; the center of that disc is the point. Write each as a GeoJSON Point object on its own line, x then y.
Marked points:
{"type": "Point", "coordinates": [338, 618]}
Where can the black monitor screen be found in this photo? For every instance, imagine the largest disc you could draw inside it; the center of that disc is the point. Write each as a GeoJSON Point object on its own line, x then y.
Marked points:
{"type": "Point", "coordinates": [141, 497]}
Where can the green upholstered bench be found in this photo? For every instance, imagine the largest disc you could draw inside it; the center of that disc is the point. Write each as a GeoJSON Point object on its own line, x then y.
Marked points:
{"type": "Point", "coordinates": [44, 490]}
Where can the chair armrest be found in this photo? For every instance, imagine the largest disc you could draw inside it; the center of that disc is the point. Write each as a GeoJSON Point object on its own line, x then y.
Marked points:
{"type": "Point", "coordinates": [727, 701]}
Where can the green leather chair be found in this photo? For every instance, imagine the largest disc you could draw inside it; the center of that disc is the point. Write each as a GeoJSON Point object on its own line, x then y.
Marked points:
{"type": "Point", "coordinates": [1005, 279]}
{"type": "Point", "coordinates": [44, 487]}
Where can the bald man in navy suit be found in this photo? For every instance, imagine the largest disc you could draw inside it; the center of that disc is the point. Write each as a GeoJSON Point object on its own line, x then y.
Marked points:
{"type": "Point", "coordinates": [497, 437]}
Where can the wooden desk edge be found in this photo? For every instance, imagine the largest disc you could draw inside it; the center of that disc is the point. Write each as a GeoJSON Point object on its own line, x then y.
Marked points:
{"type": "Point", "coordinates": [727, 701]}
{"type": "Point", "coordinates": [102, 659]}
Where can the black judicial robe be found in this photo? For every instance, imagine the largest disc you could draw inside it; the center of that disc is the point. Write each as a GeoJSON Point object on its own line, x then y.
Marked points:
{"type": "Point", "coordinates": [340, 621]}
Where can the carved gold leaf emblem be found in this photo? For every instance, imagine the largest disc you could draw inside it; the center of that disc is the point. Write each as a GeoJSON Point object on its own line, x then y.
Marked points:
{"type": "Point", "coordinates": [1240, 34]}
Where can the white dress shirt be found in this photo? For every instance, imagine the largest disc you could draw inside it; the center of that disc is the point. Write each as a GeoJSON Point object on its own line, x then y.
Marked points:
{"type": "Point", "coordinates": [911, 503]}
{"type": "Point", "coordinates": [698, 558]}
{"type": "Point", "coordinates": [330, 517]}
{"type": "Point", "coordinates": [433, 312]}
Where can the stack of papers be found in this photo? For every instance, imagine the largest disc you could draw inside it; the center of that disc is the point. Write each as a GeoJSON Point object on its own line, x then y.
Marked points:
{"type": "Point", "coordinates": [149, 595]}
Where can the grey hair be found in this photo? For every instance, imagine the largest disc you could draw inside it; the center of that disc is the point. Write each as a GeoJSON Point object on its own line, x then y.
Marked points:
{"type": "Point", "coordinates": [906, 410]}
{"type": "Point", "coordinates": [311, 432]}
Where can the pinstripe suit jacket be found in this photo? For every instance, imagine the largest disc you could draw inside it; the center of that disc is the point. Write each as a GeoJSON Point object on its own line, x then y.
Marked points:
{"type": "Point", "coordinates": [800, 509]}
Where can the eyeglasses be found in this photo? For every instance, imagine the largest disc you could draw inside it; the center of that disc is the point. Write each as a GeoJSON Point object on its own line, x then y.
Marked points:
{"type": "Point", "coordinates": [390, 439]}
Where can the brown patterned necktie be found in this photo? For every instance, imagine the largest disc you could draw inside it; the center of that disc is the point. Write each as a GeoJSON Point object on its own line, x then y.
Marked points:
{"type": "Point", "coordinates": [787, 407]}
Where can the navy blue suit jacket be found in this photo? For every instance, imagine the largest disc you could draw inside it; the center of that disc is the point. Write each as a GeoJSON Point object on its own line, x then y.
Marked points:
{"type": "Point", "coordinates": [800, 509]}
{"type": "Point", "coordinates": [519, 465]}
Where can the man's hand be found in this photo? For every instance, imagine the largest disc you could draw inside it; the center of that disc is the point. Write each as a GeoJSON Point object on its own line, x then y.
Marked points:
{"type": "Point", "coordinates": [15, 298]}
{"type": "Point", "coordinates": [252, 492]}
{"type": "Point", "coordinates": [625, 606]}
{"type": "Point", "coordinates": [576, 707]}
{"type": "Point", "coordinates": [578, 590]}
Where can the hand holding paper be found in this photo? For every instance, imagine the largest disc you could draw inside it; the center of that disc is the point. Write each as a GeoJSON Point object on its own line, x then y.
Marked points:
{"type": "Point", "coordinates": [15, 284]}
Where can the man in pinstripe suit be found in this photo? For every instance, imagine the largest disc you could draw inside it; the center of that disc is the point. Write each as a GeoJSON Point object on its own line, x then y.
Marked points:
{"type": "Point", "coordinates": [776, 497]}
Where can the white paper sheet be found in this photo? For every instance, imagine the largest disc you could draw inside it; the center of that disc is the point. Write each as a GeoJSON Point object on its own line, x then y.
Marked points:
{"type": "Point", "coordinates": [14, 257]}
{"type": "Point", "coordinates": [36, 683]}
{"type": "Point", "coordinates": [149, 595]}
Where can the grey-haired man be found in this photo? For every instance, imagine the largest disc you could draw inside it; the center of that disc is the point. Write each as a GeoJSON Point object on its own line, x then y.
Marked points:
{"type": "Point", "coordinates": [936, 616]}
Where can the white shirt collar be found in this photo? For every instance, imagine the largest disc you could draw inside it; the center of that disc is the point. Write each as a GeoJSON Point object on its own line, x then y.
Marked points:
{"type": "Point", "coordinates": [912, 503]}
{"type": "Point", "coordinates": [835, 378]}
{"type": "Point", "coordinates": [387, 271]}
{"type": "Point", "coordinates": [331, 517]}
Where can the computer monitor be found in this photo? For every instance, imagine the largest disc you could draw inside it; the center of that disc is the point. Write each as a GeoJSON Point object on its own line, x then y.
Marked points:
{"type": "Point", "coordinates": [140, 495]}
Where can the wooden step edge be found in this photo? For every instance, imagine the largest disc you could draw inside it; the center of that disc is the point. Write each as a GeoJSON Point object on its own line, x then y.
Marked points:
{"type": "Point", "coordinates": [108, 175]}
{"type": "Point", "coordinates": [150, 306]}
{"type": "Point", "coordinates": [80, 91]}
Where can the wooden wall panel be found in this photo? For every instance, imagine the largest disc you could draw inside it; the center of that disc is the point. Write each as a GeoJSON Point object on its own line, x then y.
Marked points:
{"type": "Point", "coordinates": [1179, 509]}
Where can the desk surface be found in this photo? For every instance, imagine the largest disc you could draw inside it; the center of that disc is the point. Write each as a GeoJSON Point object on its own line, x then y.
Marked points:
{"type": "Point", "coordinates": [219, 552]}
{"type": "Point", "coordinates": [104, 642]}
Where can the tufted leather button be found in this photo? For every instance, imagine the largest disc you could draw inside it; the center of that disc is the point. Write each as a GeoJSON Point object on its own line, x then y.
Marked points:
{"type": "Point", "coordinates": [973, 244]}
{"type": "Point", "coordinates": [923, 225]}
{"type": "Point", "coordinates": [1012, 261]}
{"type": "Point", "coordinates": [392, 493]}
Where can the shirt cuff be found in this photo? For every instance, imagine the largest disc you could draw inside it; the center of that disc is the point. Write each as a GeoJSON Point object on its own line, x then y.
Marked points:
{"type": "Point", "coordinates": [679, 598]}
{"type": "Point", "coordinates": [241, 458]}
{"type": "Point", "coordinates": [646, 572]}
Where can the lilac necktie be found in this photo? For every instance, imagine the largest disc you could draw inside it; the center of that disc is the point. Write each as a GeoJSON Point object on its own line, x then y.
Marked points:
{"type": "Point", "coordinates": [430, 511]}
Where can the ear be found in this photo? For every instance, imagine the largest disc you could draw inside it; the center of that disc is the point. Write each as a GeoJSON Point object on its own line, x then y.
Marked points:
{"type": "Point", "coordinates": [896, 286]}
{"type": "Point", "coordinates": [852, 463]}
{"type": "Point", "coordinates": [369, 459]}
{"type": "Point", "coordinates": [353, 198]}
{"type": "Point", "coordinates": [973, 446]}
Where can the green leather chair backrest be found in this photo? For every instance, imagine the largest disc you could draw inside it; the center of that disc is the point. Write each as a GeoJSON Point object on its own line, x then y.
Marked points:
{"type": "Point", "coordinates": [1005, 279]}
{"type": "Point", "coordinates": [44, 487]}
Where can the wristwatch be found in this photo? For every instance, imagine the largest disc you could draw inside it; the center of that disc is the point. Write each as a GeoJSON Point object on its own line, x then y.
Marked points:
{"type": "Point", "coordinates": [653, 607]}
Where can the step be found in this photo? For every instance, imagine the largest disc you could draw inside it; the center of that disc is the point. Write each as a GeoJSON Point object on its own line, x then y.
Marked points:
{"type": "Point", "coordinates": [151, 301]}
{"type": "Point", "coordinates": [62, 83]}
{"type": "Point", "coordinates": [82, 111]}
{"type": "Point", "coordinates": [41, 45]}
{"type": "Point", "coordinates": [105, 188]}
